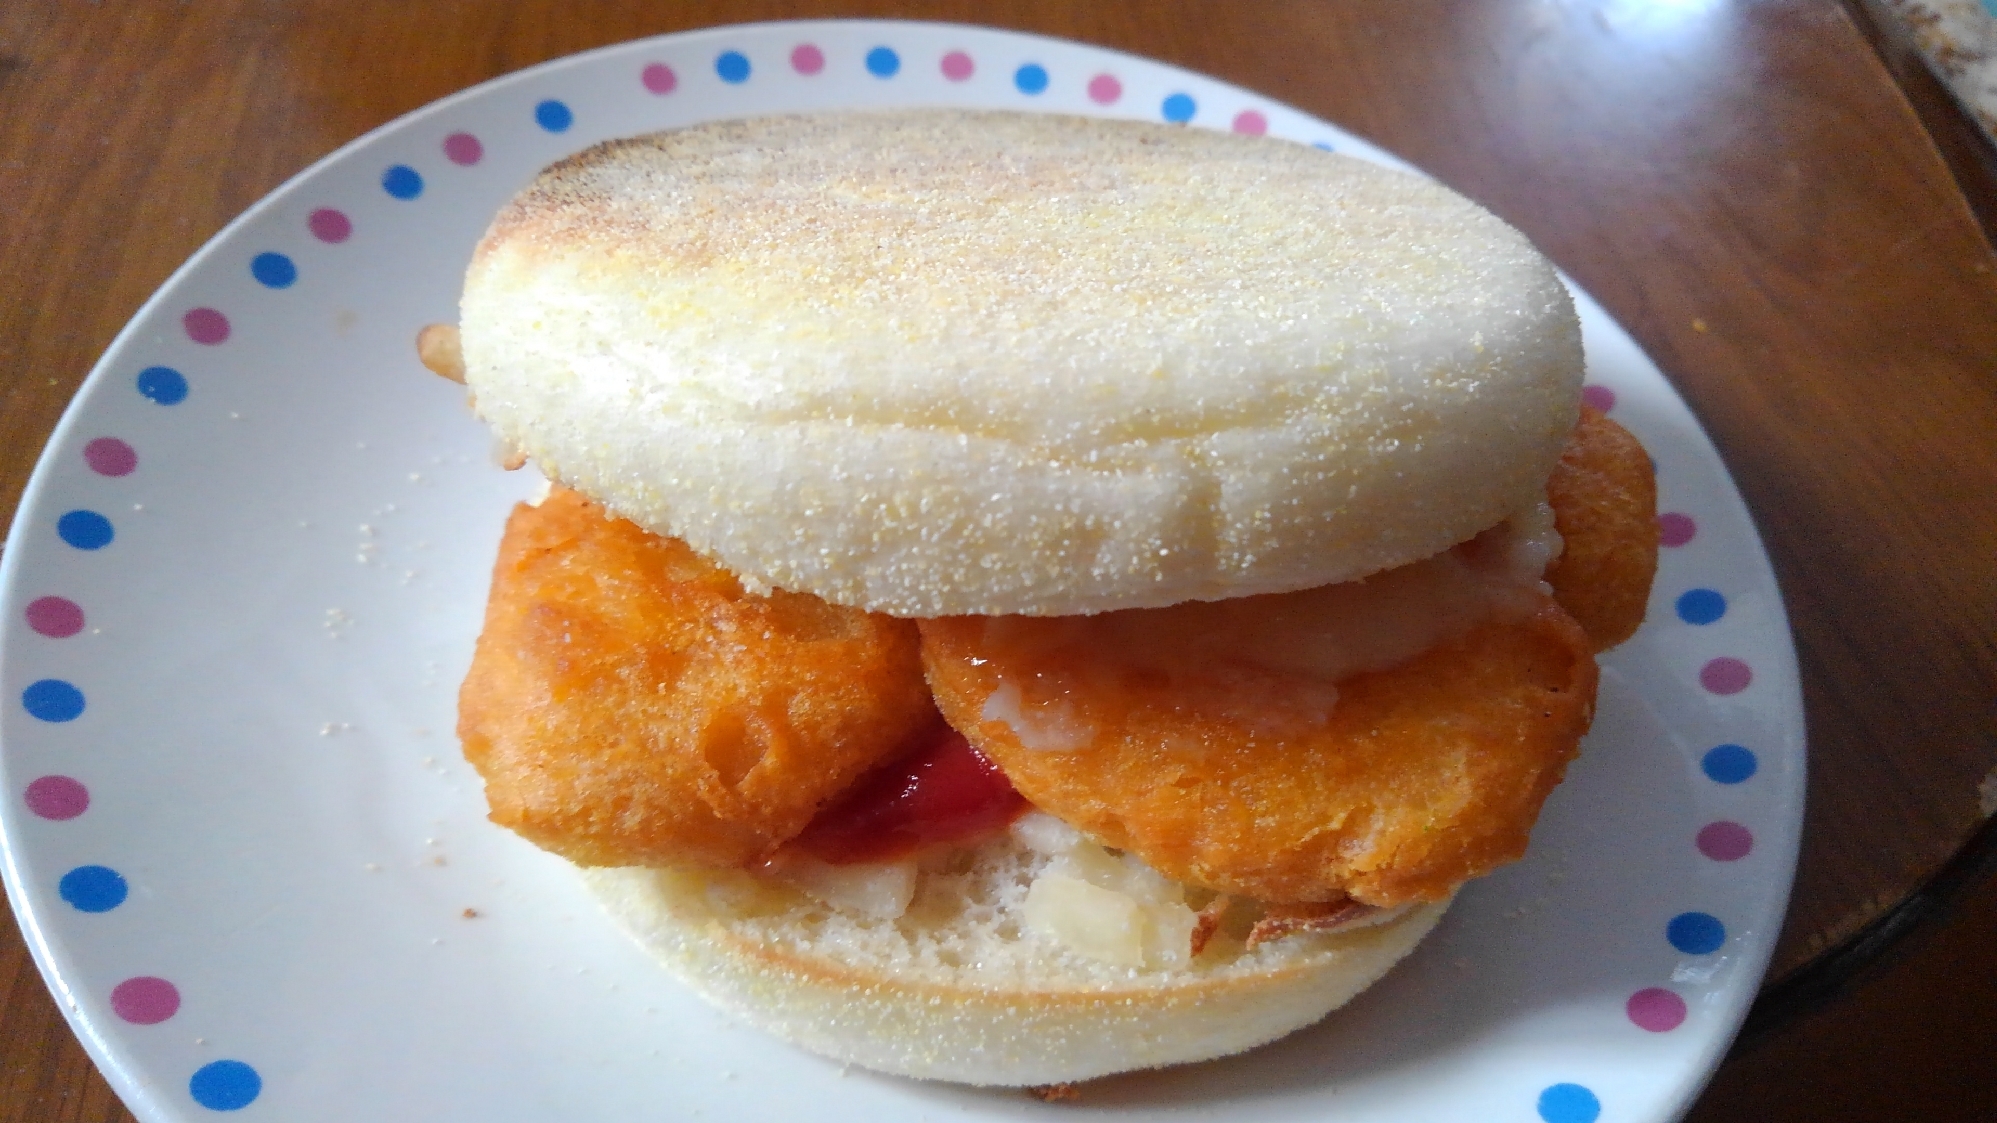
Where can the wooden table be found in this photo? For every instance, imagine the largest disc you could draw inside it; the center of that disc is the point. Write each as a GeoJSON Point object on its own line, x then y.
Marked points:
{"type": "Point", "coordinates": [1744, 184]}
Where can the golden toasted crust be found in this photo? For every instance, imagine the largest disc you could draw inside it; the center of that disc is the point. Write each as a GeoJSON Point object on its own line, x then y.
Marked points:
{"type": "Point", "coordinates": [629, 704]}
{"type": "Point", "coordinates": [1418, 779]}
{"type": "Point", "coordinates": [936, 362]}
{"type": "Point", "coordinates": [1604, 497]}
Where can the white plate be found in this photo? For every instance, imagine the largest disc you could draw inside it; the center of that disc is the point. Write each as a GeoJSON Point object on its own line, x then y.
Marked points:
{"type": "Point", "coordinates": [258, 876]}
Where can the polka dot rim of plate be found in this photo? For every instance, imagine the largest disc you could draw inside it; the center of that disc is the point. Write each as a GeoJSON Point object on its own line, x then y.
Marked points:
{"type": "Point", "coordinates": [248, 570]}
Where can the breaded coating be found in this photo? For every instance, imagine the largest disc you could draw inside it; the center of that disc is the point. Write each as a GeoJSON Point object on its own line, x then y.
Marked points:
{"type": "Point", "coordinates": [1413, 780]}
{"type": "Point", "coordinates": [1604, 497]}
{"type": "Point", "coordinates": [1279, 921]}
{"type": "Point", "coordinates": [1416, 778]}
{"type": "Point", "coordinates": [629, 704]}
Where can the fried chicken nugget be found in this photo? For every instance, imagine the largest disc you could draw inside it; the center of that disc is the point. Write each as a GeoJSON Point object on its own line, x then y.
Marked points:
{"type": "Point", "coordinates": [629, 704]}
{"type": "Point", "coordinates": [1604, 497]}
{"type": "Point", "coordinates": [1420, 777]}
{"type": "Point", "coordinates": [1416, 779]}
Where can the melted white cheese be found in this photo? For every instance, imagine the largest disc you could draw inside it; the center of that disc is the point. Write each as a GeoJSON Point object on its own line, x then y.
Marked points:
{"type": "Point", "coordinates": [1314, 638]}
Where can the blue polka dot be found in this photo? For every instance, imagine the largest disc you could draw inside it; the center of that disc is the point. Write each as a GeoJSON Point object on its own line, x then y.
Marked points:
{"type": "Point", "coordinates": [273, 270]}
{"type": "Point", "coordinates": [85, 530]}
{"type": "Point", "coordinates": [1696, 933]}
{"type": "Point", "coordinates": [1569, 1103]}
{"type": "Point", "coordinates": [1701, 606]}
{"type": "Point", "coordinates": [882, 62]}
{"type": "Point", "coordinates": [1179, 108]}
{"type": "Point", "coordinates": [164, 385]}
{"type": "Point", "coordinates": [1728, 764]}
{"type": "Point", "coordinates": [225, 1085]}
{"type": "Point", "coordinates": [733, 66]}
{"type": "Point", "coordinates": [92, 888]}
{"type": "Point", "coordinates": [1324, 145]}
{"type": "Point", "coordinates": [553, 116]}
{"type": "Point", "coordinates": [1031, 78]}
{"type": "Point", "coordinates": [52, 699]}
{"type": "Point", "coordinates": [402, 181]}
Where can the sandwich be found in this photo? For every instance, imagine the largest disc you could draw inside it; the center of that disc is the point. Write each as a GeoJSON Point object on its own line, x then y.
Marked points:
{"type": "Point", "coordinates": [1021, 597]}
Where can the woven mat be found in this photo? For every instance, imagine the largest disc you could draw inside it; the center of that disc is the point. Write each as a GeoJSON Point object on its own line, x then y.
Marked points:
{"type": "Point", "coordinates": [1958, 38]}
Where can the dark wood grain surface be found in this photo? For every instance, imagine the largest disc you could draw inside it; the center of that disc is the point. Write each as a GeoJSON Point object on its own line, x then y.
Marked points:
{"type": "Point", "coordinates": [1743, 183]}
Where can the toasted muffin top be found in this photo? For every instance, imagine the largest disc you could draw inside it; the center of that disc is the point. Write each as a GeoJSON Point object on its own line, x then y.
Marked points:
{"type": "Point", "coordinates": [940, 362]}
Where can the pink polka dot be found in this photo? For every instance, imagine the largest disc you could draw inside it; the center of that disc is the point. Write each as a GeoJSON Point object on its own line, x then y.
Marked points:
{"type": "Point", "coordinates": [206, 326]}
{"type": "Point", "coordinates": [1601, 397]}
{"type": "Point", "coordinates": [109, 456]}
{"type": "Point", "coordinates": [145, 1001]}
{"type": "Point", "coordinates": [1725, 675]}
{"type": "Point", "coordinates": [57, 797]}
{"type": "Point", "coordinates": [957, 66]}
{"type": "Point", "coordinates": [1656, 1009]}
{"type": "Point", "coordinates": [659, 78]}
{"type": "Point", "coordinates": [55, 617]}
{"type": "Point", "coordinates": [463, 149]}
{"type": "Point", "coordinates": [329, 225]}
{"type": "Point", "coordinates": [1104, 89]}
{"type": "Point", "coordinates": [1250, 122]}
{"type": "Point", "coordinates": [1674, 529]}
{"type": "Point", "coordinates": [807, 59]}
{"type": "Point", "coordinates": [1724, 841]}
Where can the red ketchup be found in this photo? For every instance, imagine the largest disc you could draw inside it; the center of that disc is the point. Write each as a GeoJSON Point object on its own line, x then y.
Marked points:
{"type": "Point", "coordinates": [944, 791]}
